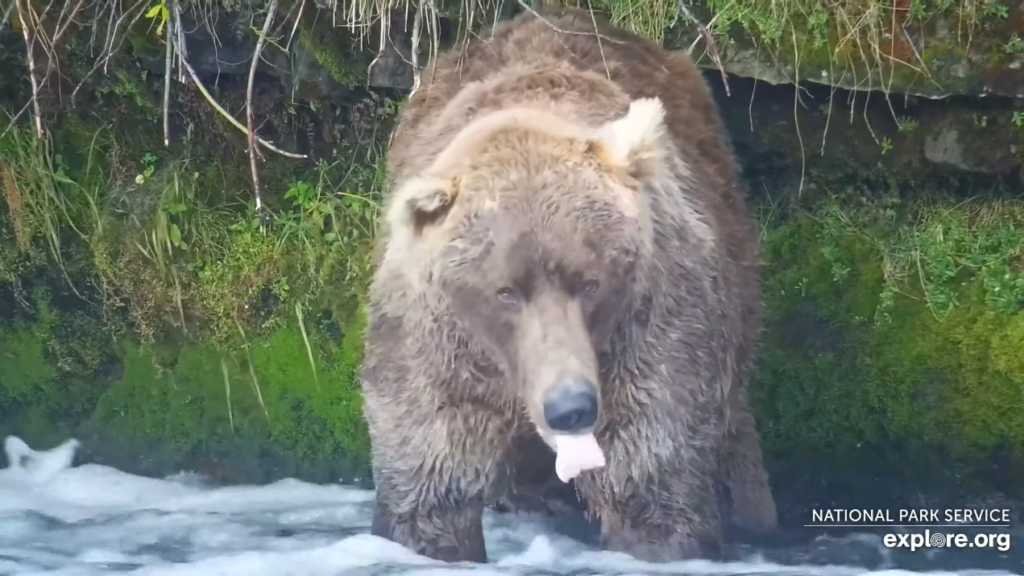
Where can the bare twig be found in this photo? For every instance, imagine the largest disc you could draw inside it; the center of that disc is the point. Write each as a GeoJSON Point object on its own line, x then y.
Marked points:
{"type": "Point", "coordinates": [796, 115]}
{"type": "Point", "coordinates": [62, 29]}
{"type": "Point", "coordinates": [7, 15]}
{"type": "Point", "coordinates": [417, 22]}
{"type": "Point", "coordinates": [227, 115]}
{"type": "Point", "coordinates": [26, 19]}
{"type": "Point", "coordinates": [709, 41]}
{"type": "Point", "coordinates": [295, 26]}
{"type": "Point", "coordinates": [49, 45]}
{"type": "Point", "coordinates": [112, 8]}
{"type": "Point", "coordinates": [528, 8]}
{"type": "Point", "coordinates": [180, 46]}
{"type": "Point", "coordinates": [250, 117]}
{"type": "Point", "coordinates": [169, 52]}
{"type": "Point", "coordinates": [108, 44]}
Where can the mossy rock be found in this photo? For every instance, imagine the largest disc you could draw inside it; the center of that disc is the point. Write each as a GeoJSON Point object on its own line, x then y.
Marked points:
{"type": "Point", "coordinates": [281, 393]}
{"type": "Point", "coordinates": [892, 346]}
{"type": "Point", "coordinates": [52, 370]}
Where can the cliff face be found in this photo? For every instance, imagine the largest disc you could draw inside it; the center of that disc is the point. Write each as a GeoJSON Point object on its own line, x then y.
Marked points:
{"type": "Point", "coordinates": [144, 298]}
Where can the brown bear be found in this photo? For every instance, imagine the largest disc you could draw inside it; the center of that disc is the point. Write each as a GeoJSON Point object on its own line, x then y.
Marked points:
{"type": "Point", "coordinates": [567, 273]}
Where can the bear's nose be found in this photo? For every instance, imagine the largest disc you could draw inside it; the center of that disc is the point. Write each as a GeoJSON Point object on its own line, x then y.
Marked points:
{"type": "Point", "coordinates": [571, 405]}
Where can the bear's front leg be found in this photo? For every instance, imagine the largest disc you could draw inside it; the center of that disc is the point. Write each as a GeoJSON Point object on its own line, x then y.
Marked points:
{"type": "Point", "coordinates": [742, 470]}
{"type": "Point", "coordinates": [660, 525]}
{"type": "Point", "coordinates": [433, 470]}
{"type": "Point", "coordinates": [657, 507]}
{"type": "Point", "coordinates": [440, 522]}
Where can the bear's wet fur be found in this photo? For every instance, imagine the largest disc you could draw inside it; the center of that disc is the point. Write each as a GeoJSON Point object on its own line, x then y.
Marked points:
{"type": "Point", "coordinates": [564, 204]}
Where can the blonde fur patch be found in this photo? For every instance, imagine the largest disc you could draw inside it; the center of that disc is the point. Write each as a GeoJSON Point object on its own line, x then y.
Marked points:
{"type": "Point", "coordinates": [637, 141]}
{"type": "Point", "coordinates": [488, 126]}
{"type": "Point", "coordinates": [631, 150]}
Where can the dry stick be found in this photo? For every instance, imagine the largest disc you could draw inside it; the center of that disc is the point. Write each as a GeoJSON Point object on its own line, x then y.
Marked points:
{"type": "Point", "coordinates": [7, 15]}
{"type": "Point", "coordinates": [24, 19]}
{"type": "Point", "coordinates": [180, 46]}
{"type": "Point", "coordinates": [169, 42]}
{"type": "Point", "coordinates": [250, 117]}
{"type": "Point", "coordinates": [295, 26]}
{"type": "Point", "coordinates": [61, 30]}
{"type": "Point", "coordinates": [96, 24]}
{"type": "Point", "coordinates": [49, 45]}
{"type": "Point", "coordinates": [417, 22]}
{"type": "Point", "coordinates": [709, 42]}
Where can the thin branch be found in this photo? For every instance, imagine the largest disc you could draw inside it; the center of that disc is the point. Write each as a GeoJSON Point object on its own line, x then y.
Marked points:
{"type": "Point", "coordinates": [250, 117]}
{"type": "Point", "coordinates": [179, 49]}
{"type": "Point", "coordinates": [49, 45]}
{"type": "Point", "coordinates": [295, 27]}
{"type": "Point", "coordinates": [108, 45]}
{"type": "Point", "coordinates": [709, 41]}
{"type": "Point", "coordinates": [7, 16]}
{"type": "Point", "coordinates": [168, 53]}
{"type": "Point", "coordinates": [61, 30]}
{"type": "Point", "coordinates": [528, 8]}
{"type": "Point", "coordinates": [27, 31]}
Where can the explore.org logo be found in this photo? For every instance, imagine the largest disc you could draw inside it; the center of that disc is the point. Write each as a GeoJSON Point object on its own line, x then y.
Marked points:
{"type": "Point", "coordinates": [926, 521]}
{"type": "Point", "coordinates": [929, 539]}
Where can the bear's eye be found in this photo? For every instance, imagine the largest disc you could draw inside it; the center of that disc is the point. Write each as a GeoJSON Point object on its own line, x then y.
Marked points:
{"type": "Point", "coordinates": [508, 296]}
{"type": "Point", "coordinates": [587, 287]}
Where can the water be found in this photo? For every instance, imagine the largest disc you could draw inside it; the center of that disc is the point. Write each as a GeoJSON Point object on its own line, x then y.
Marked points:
{"type": "Point", "coordinates": [56, 518]}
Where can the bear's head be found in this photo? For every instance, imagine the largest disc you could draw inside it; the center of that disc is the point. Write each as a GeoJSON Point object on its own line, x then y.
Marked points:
{"type": "Point", "coordinates": [531, 229]}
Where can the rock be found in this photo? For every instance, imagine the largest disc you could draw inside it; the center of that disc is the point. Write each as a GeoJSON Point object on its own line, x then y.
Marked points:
{"type": "Point", "coordinates": [919, 139]}
{"type": "Point", "coordinates": [393, 67]}
{"type": "Point", "coordinates": [957, 140]}
{"type": "Point", "coordinates": [943, 147]}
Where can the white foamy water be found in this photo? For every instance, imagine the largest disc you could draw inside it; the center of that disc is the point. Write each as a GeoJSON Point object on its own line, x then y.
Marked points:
{"type": "Point", "coordinates": [56, 518]}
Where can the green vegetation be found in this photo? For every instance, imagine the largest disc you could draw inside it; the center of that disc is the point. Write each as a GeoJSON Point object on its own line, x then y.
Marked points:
{"type": "Point", "coordinates": [195, 394]}
{"type": "Point", "coordinates": [840, 32]}
{"type": "Point", "coordinates": [894, 328]}
{"type": "Point", "coordinates": [140, 294]}
{"type": "Point", "coordinates": [220, 329]}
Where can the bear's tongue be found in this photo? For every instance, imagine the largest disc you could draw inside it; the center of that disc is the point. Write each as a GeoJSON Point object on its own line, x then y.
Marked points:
{"type": "Point", "coordinates": [576, 453]}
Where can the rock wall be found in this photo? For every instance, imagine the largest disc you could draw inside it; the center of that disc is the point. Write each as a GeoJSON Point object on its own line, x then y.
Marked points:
{"type": "Point", "coordinates": [141, 299]}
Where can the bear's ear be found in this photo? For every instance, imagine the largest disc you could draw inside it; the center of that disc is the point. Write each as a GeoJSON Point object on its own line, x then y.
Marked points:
{"type": "Point", "coordinates": [421, 202]}
{"type": "Point", "coordinates": [636, 142]}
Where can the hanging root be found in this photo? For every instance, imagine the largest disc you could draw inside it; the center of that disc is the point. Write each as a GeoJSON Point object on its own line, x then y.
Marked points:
{"type": "Point", "coordinates": [250, 117]}
{"type": "Point", "coordinates": [179, 50]}
{"type": "Point", "coordinates": [709, 40]}
{"type": "Point", "coordinates": [168, 59]}
{"type": "Point", "coordinates": [25, 12]}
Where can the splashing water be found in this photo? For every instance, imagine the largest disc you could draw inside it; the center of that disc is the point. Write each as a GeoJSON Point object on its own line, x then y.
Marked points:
{"type": "Point", "coordinates": [92, 519]}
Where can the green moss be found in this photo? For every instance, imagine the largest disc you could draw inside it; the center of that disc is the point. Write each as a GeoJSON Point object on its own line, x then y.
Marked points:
{"type": "Point", "coordinates": [178, 395]}
{"type": "Point", "coordinates": [314, 414]}
{"type": "Point", "coordinates": [50, 370]}
{"type": "Point", "coordinates": [25, 371]}
{"type": "Point", "coordinates": [345, 66]}
{"type": "Point", "coordinates": [893, 327]}
{"type": "Point", "coordinates": [191, 395]}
